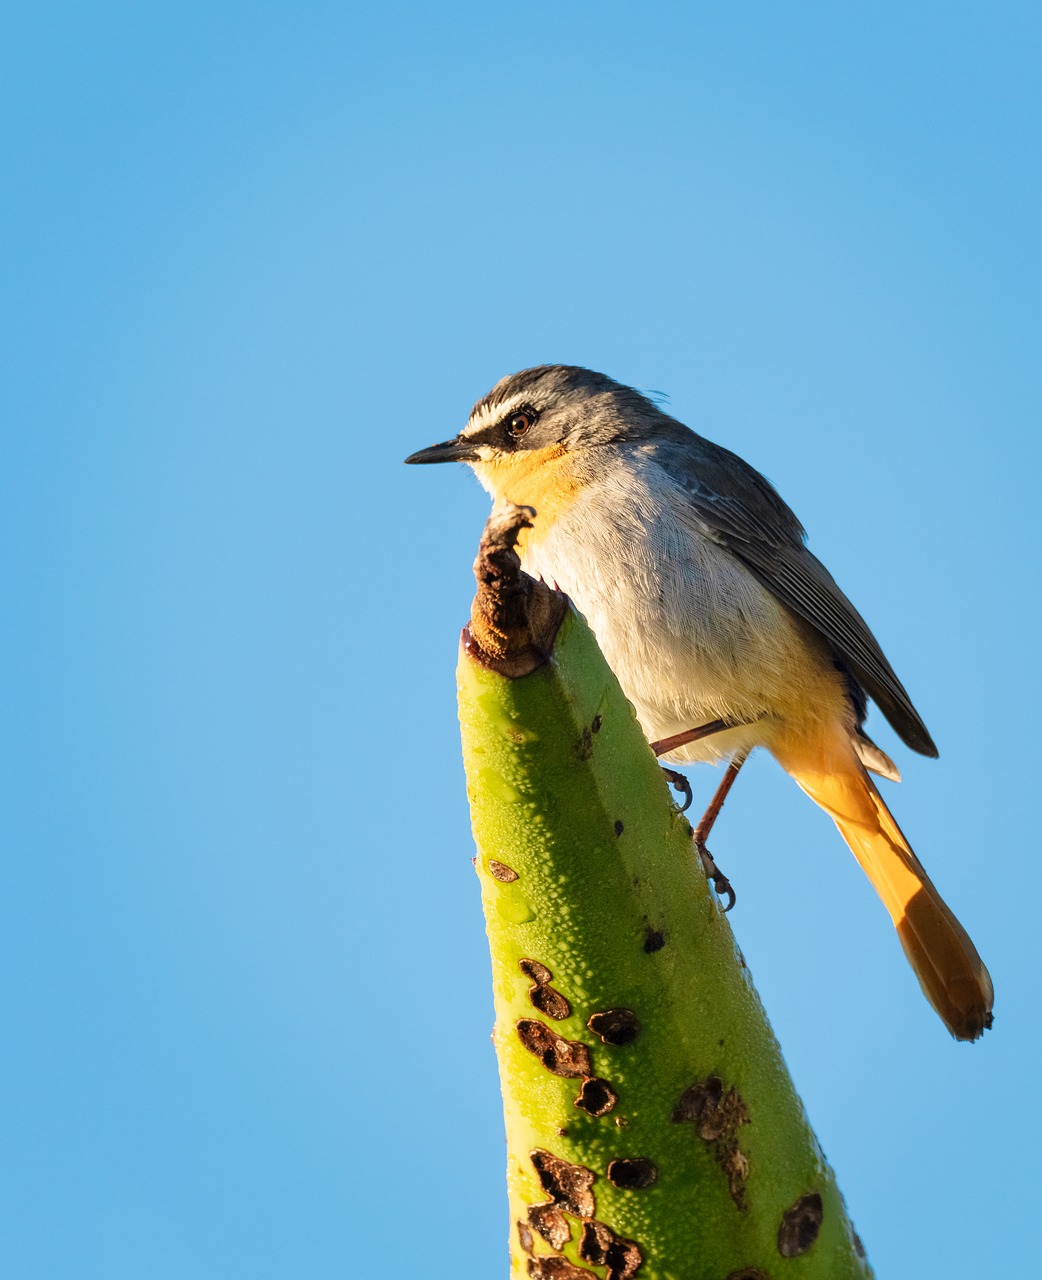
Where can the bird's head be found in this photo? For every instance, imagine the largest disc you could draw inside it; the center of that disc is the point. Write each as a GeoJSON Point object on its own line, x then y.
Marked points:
{"type": "Point", "coordinates": [540, 416]}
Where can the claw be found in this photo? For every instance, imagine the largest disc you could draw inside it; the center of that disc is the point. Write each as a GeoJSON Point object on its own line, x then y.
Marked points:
{"type": "Point", "coordinates": [679, 783]}
{"type": "Point", "coordinates": [717, 878]}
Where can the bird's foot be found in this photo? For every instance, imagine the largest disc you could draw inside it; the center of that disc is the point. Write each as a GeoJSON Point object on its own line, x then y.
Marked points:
{"type": "Point", "coordinates": [679, 783]}
{"type": "Point", "coordinates": [715, 876]}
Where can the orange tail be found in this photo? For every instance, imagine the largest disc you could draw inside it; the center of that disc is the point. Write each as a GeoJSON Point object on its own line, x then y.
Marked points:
{"type": "Point", "coordinates": [950, 972]}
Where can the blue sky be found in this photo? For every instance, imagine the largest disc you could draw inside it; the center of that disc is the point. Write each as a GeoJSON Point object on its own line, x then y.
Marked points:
{"type": "Point", "coordinates": [252, 257]}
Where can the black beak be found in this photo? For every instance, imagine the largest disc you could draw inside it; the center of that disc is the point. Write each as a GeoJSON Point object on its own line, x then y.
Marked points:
{"type": "Point", "coordinates": [458, 450]}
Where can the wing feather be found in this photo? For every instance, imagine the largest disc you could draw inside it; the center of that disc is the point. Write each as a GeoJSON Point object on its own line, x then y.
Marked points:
{"type": "Point", "coordinates": [739, 509]}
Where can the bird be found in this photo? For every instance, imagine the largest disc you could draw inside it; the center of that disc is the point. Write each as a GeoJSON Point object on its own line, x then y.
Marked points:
{"type": "Point", "coordinates": [725, 631]}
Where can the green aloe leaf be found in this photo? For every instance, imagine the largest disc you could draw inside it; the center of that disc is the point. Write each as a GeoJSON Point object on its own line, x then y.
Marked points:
{"type": "Point", "coordinates": [652, 1126]}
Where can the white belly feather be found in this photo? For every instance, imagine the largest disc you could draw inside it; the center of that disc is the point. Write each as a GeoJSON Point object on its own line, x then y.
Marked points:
{"type": "Point", "coordinates": [688, 630]}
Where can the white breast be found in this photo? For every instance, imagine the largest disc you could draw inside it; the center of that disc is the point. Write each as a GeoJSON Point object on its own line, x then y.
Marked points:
{"type": "Point", "coordinates": [690, 633]}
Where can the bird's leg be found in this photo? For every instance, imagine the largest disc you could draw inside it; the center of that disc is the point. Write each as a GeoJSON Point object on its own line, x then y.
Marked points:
{"type": "Point", "coordinates": [701, 833]}
{"type": "Point", "coordinates": [664, 745]}
{"type": "Point", "coordinates": [677, 780]}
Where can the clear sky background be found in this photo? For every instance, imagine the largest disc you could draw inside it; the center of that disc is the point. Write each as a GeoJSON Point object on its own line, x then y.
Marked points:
{"type": "Point", "coordinates": [252, 256]}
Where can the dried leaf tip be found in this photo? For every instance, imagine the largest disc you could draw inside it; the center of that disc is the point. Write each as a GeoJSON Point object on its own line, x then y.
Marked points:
{"type": "Point", "coordinates": [514, 619]}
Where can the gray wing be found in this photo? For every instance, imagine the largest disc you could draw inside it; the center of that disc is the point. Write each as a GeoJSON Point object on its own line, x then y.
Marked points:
{"type": "Point", "coordinates": [741, 511]}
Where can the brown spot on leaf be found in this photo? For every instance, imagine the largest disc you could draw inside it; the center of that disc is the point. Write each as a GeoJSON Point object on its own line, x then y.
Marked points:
{"type": "Point", "coordinates": [714, 1113]}
{"type": "Point", "coordinates": [565, 1057]}
{"type": "Point", "coordinates": [717, 1116]}
{"type": "Point", "coordinates": [549, 1001]}
{"type": "Point", "coordinates": [615, 1026]}
{"type": "Point", "coordinates": [542, 995]}
{"type": "Point", "coordinates": [524, 1235]}
{"type": "Point", "coordinates": [619, 828]}
{"type": "Point", "coordinates": [500, 871]}
{"type": "Point", "coordinates": [584, 746]}
{"type": "Point", "coordinates": [632, 1173]}
{"type": "Point", "coordinates": [601, 1247]}
{"type": "Point", "coordinates": [735, 1165]}
{"type": "Point", "coordinates": [569, 1185]}
{"type": "Point", "coordinates": [800, 1225]}
{"type": "Point", "coordinates": [549, 1220]}
{"type": "Point", "coordinates": [596, 1097]}
{"type": "Point", "coordinates": [534, 970]}
{"type": "Point", "coordinates": [597, 722]}
{"type": "Point", "coordinates": [654, 939]}
{"type": "Point", "coordinates": [748, 1273]}
{"type": "Point", "coordinates": [568, 1058]}
{"type": "Point", "coordinates": [554, 1268]}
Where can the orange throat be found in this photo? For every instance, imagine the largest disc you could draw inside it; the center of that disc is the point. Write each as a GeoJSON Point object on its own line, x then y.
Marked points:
{"type": "Point", "coordinates": [545, 479]}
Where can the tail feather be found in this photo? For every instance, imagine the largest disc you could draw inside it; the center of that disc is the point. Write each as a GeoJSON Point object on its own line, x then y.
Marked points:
{"type": "Point", "coordinates": [950, 972]}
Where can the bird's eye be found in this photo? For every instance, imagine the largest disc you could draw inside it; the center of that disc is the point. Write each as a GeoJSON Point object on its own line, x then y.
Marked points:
{"type": "Point", "coordinates": [520, 423]}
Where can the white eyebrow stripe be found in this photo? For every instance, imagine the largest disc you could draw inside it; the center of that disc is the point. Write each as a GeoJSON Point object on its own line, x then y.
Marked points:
{"type": "Point", "coordinates": [489, 414]}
